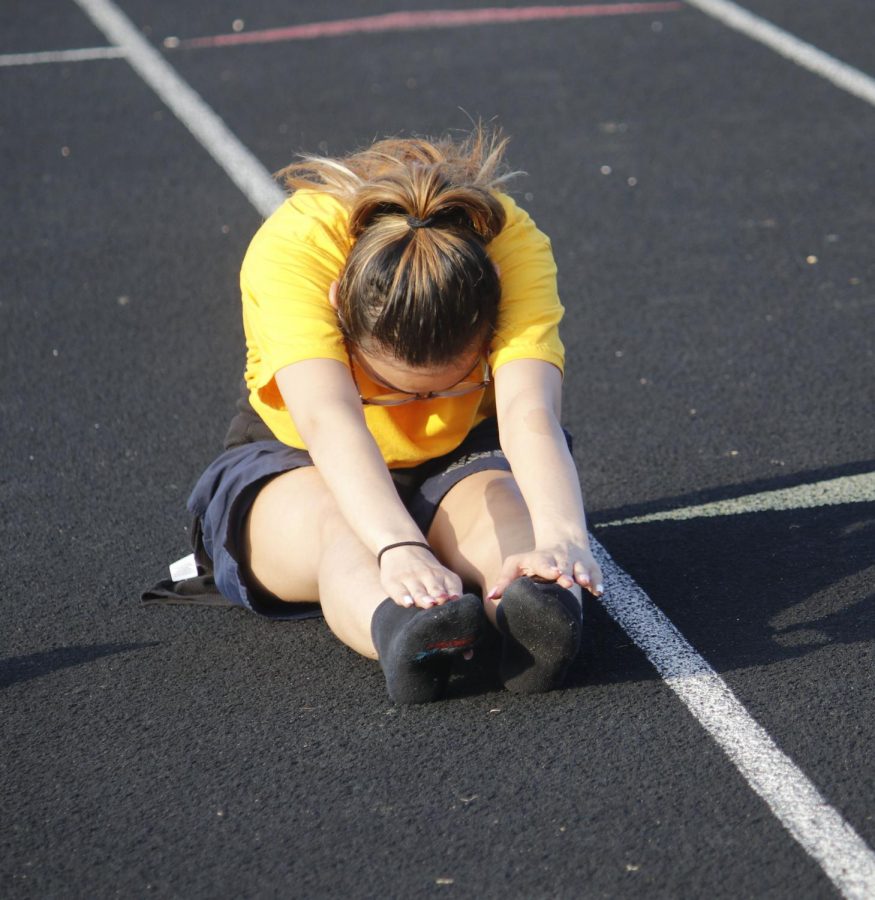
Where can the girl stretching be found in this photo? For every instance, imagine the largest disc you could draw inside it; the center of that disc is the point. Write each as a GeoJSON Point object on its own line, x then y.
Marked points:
{"type": "Point", "coordinates": [398, 442]}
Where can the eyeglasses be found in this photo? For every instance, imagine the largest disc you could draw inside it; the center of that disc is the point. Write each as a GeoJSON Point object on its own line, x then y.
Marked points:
{"type": "Point", "coordinates": [397, 397]}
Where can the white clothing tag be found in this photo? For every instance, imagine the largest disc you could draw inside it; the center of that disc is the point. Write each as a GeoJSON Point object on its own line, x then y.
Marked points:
{"type": "Point", "coordinates": [183, 568]}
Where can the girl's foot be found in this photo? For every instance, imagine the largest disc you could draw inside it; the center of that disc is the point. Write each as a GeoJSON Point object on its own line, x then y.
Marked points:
{"type": "Point", "coordinates": [416, 646]}
{"type": "Point", "coordinates": [540, 625]}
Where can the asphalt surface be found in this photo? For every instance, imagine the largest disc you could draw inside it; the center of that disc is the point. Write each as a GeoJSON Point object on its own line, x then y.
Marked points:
{"type": "Point", "coordinates": [187, 752]}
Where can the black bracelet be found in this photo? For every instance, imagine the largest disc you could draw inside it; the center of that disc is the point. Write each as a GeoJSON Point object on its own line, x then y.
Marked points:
{"type": "Point", "coordinates": [401, 544]}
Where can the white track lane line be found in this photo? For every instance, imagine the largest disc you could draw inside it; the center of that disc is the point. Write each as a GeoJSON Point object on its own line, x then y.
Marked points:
{"type": "Point", "coordinates": [803, 54]}
{"type": "Point", "coordinates": [60, 56]}
{"type": "Point", "coordinates": [847, 861]}
{"type": "Point", "coordinates": [795, 801]}
{"type": "Point", "coordinates": [834, 491]}
{"type": "Point", "coordinates": [211, 132]}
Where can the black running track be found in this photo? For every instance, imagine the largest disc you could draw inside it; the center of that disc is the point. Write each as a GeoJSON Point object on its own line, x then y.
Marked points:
{"type": "Point", "coordinates": [712, 214]}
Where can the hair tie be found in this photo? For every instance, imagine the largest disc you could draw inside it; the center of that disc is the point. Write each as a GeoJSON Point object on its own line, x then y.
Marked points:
{"type": "Point", "coordinates": [415, 223]}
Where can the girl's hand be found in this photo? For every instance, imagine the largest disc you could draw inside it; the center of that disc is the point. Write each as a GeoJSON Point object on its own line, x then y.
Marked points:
{"type": "Point", "coordinates": [412, 576]}
{"type": "Point", "coordinates": [566, 564]}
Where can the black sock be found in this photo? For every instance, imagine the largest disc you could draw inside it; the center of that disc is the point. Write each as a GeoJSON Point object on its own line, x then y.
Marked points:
{"type": "Point", "coordinates": [540, 626]}
{"type": "Point", "coordinates": [416, 646]}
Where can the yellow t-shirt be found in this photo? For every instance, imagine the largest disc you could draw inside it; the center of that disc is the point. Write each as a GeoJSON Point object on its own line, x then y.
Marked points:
{"type": "Point", "coordinates": [287, 317]}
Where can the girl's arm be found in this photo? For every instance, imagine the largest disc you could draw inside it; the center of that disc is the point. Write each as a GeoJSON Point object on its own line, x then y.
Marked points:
{"type": "Point", "coordinates": [327, 411]}
{"type": "Point", "coordinates": [528, 396]}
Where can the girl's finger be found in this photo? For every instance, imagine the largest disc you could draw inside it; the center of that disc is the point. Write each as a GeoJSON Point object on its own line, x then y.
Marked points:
{"type": "Point", "coordinates": [581, 575]}
{"type": "Point", "coordinates": [498, 588]}
{"type": "Point", "coordinates": [413, 587]}
{"type": "Point", "coordinates": [596, 579]}
{"type": "Point", "coordinates": [541, 565]}
{"type": "Point", "coordinates": [500, 585]}
{"type": "Point", "coordinates": [505, 577]}
{"type": "Point", "coordinates": [547, 569]}
{"type": "Point", "coordinates": [397, 591]}
{"type": "Point", "coordinates": [434, 585]}
{"type": "Point", "coordinates": [453, 586]}
{"type": "Point", "coordinates": [595, 586]}
{"type": "Point", "coordinates": [444, 589]}
{"type": "Point", "coordinates": [562, 571]}
{"type": "Point", "coordinates": [565, 580]}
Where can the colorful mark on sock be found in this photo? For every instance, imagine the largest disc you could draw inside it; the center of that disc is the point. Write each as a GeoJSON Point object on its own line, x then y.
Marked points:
{"type": "Point", "coordinates": [454, 644]}
{"type": "Point", "coordinates": [438, 647]}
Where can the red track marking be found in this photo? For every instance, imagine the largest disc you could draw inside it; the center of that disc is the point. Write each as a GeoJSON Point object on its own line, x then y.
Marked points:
{"type": "Point", "coordinates": [408, 21]}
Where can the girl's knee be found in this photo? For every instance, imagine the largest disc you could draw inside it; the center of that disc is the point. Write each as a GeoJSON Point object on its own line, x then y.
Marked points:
{"type": "Point", "coordinates": [492, 504]}
{"type": "Point", "coordinates": [483, 520]}
{"type": "Point", "coordinates": [502, 497]}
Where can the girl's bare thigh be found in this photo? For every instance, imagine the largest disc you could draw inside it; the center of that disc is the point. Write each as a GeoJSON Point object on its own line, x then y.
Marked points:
{"type": "Point", "coordinates": [284, 535]}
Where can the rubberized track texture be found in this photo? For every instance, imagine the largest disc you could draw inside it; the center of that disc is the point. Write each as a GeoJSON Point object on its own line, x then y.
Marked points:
{"type": "Point", "coordinates": [704, 172]}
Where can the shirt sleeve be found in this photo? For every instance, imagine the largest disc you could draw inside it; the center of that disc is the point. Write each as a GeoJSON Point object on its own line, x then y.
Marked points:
{"type": "Point", "coordinates": [284, 281]}
{"type": "Point", "coordinates": [530, 310]}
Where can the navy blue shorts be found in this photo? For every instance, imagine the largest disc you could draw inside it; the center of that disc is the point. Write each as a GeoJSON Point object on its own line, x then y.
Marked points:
{"type": "Point", "coordinates": [226, 491]}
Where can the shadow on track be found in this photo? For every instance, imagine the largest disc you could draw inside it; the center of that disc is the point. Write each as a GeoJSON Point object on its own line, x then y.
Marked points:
{"type": "Point", "coordinates": [758, 588]}
{"type": "Point", "coordinates": [17, 669]}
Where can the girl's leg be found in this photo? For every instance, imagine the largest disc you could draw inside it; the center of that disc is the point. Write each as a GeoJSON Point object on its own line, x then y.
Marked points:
{"type": "Point", "coordinates": [480, 522]}
{"type": "Point", "coordinates": [299, 547]}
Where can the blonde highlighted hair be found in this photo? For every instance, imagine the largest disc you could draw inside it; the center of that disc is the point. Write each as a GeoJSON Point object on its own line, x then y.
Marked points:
{"type": "Point", "coordinates": [418, 282]}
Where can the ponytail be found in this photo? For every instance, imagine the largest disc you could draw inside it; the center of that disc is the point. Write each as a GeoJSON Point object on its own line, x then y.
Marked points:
{"type": "Point", "coordinates": [418, 282]}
